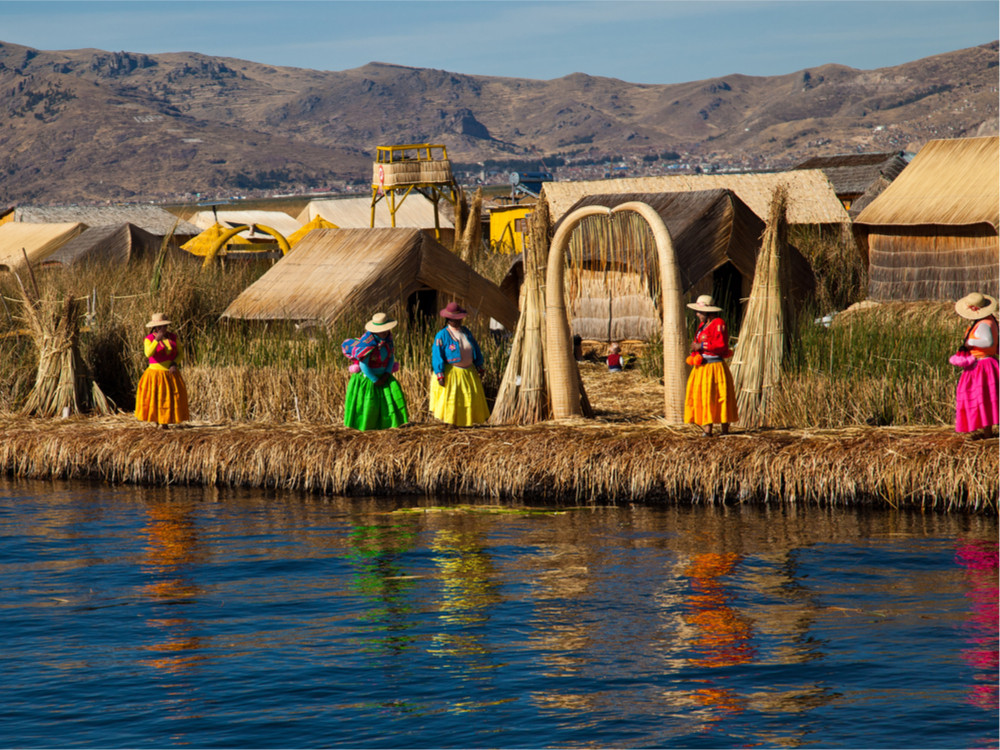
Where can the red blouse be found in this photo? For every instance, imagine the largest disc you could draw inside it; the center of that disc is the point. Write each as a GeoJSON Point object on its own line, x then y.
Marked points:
{"type": "Point", "coordinates": [714, 338]}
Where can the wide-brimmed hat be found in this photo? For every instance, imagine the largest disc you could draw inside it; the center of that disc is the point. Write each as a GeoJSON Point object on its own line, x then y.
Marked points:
{"type": "Point", "coordinates": [454, 311]}
{"type": "Point", "coordinates": [380, 322]}
{"type": "Point", "coordinates": [157, 320]}
{"type": "Point", "coordinates": [704, 303]}
{"type": "Point", "coordinates": [975, 306]}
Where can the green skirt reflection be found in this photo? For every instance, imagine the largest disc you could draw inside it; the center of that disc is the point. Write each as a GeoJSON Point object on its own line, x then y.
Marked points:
{"type": "Point", "coordinates": [374, 407]}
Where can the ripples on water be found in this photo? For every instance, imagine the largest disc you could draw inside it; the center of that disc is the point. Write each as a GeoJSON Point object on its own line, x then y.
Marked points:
{"type": "Point", "coordinates": [137, 617]}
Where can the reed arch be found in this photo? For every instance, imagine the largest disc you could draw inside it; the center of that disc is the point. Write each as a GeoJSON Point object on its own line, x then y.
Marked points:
{"type": "Point", "coordinates": [228, 235]}
{"type": "Point", "coordinates": [563, 375]}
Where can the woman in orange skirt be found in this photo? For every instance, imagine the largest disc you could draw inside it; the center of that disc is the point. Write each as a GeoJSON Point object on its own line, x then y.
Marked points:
{"type": "Point", "coordinates": [161, 397]}
{"type": "Point", "coordinates": [710, 397]}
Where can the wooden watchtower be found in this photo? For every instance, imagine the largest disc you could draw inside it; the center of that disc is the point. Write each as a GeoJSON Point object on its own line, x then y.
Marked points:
{"type": "Point", "coordinates": [424, 167]}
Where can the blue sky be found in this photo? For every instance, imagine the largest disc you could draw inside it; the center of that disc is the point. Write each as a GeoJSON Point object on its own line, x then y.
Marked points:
{"type": "Point", "coordinates": [651, 41]}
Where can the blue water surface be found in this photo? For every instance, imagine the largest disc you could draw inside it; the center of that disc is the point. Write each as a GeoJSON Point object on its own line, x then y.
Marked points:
{"type": "Point", "coordinates": [179, 617]}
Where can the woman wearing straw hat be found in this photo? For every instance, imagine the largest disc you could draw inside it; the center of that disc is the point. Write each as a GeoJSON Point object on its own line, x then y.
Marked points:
{"type": "Point", "coordinates": [457, 395]}
{"type": "Point", "coordinates": [374, 399]}
{"type": "Point", "coordinates": [977, 397]}
{"type": "Point", "coordinates": [161, 397]}
{"type": "Point", "coordinates": [710, 397]}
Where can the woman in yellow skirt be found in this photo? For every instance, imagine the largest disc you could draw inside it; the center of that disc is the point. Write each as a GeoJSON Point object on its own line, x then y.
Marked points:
{"type": "Point", "coordinates": [161, 397]}
{"type": "Point", "coordinates": [710, 397]}
{"type": "Point", "coordinates": [457, 395]}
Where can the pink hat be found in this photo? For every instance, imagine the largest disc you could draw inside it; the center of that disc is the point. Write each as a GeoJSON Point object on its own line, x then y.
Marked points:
{"type": "Point", "coordinates": [454, 311]}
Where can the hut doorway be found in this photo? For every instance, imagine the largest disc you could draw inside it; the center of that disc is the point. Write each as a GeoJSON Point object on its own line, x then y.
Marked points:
{"type": "Point", "coordinates": [727, 291]}
{"type": "Point", "coordinates": [422, 303]}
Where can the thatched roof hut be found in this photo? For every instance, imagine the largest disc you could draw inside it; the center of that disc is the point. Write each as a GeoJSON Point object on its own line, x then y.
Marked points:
{"type": "Point", "coordinates": [933, 233]}
{"type": "Point", "coordinates": [151, 219]}
{"type": "Point", "coordinates": [716, 239]}
{"type": "Point", "coordinates": [854, 175]}
{"type": "Point", "coordinates": [811, 198]}
{"type": "Point", "coordinates": [116, 245]}
{"type": "Point", "coordinates": [38, 241]}
{"type": "Point", "coordinates": [332, 272]}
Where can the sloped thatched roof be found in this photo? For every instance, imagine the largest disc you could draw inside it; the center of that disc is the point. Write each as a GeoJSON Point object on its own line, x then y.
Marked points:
{"type": "Point", "coordinates": [114, 245]}
{"type": "Point", "coordinates": [853, 174]}
{"type": "Point", "coordinates": [335, 271]}
{"type": "Point", "coordinates": [954, 182]}
{"type": "Point", "coordinates": [39, 241]}
{"type": "Point", "coordinates": [811, 198]}
{"type": "Point", "coordinates": [416, 211]}
{"type": "Point", "coordinates": [152, 219]}
{"type": "Point", "coordinates": [276, 220]}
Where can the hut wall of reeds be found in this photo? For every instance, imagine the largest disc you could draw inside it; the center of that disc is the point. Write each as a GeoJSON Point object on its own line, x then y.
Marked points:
{"type": "Point", "coordinates": [37, 241]}
{"type": "Point", "coordinates": [933, 232]}
{"type": "Point", "coordinates": [333, 272]}
{"type": "Point", "coordinates": [811, 197]}
{"type": "Point", "coordinates": [114, 245]}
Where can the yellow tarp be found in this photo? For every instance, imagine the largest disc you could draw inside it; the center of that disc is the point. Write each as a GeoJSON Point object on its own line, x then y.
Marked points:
{"type": "Point", "coordinates": [318, 222]}
{"type": "Point", "coordinates": [204, 242]}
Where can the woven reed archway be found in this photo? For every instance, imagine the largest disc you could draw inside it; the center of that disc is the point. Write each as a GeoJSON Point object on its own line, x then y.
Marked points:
{"type": "Point", "coordinates": [563, 375]}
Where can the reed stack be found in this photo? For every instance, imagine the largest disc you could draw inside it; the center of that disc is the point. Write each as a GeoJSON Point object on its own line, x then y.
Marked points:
{"type": "Point", "coordinates": [523, 394]}
{"type": "Point", "coordinates": [760, 350]}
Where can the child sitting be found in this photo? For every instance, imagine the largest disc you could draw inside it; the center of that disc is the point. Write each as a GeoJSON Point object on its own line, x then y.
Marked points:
{"type": "Point", "coordinates": [614, 357]}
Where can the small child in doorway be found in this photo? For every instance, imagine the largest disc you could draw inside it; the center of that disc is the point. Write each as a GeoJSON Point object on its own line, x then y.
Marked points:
{"type": "Point", "coordinates": [614, 357]}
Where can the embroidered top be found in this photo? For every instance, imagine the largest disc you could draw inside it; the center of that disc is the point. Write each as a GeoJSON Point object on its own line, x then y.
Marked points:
{"type": "Point", "coordinates": [981, 338]}
{"type": "Point", "coordinates": [448, 350]}
{"type": "Point", "coordinates": [714, 338]}
{"type": "Point", "coordinates": [374, 354]}
{"type": "Point", "coordinates": [162, 354]}
{"type": "Point", "coordinates": [614, 361]}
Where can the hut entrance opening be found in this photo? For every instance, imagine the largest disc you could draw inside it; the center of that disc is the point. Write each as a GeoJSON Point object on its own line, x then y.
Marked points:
{"type": "Point", "coordinates": [727, 291]}
{"type": "Point", "coordinates": [422, 303]}
{"type": "Point", "coordinates": [629, 248]}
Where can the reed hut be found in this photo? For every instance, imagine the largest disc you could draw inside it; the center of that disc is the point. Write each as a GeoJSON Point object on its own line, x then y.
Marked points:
{"type": "Point", "coordinates": [36, 241]}
{"type": "Point", "coordinates": [811, 198]}
{"type": "Point", "coordinates": [112, 245]}
{"type": "Point", "coordinates": [152, 219]}
{"type": "Point", "coordinates": [613, 292]}
{"type": "Point", "coordinates": [933, 233]}
{"type": "Point", "coordinates": [333, 272]}
{"type": "Point", "coordinates": [855, 175]}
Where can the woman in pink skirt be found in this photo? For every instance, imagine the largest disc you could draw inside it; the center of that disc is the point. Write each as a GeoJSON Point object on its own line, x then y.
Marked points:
{"type": "Point", "coordinates": [978, 392]}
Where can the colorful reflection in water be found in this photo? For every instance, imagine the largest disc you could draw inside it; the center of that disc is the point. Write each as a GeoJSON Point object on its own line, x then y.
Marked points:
{"type": "Point", "coordinates": [189, 617]}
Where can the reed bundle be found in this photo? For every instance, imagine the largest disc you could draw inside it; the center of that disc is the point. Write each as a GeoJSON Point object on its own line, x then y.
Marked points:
{"type": "Point", "coordinates": [468, 245]}
{"type": "Point", "coordinates": [588, 462]}
{"type": "Point", "coordinates": [60, 387]}
{"type": "Point", "coordinates": [759, 352]}
{"type": "Point", "coordinates": [523, 394]}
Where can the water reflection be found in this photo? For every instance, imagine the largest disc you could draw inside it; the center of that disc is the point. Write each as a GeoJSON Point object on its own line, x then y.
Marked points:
{"type": "Point", "coordinates": [375, 553]}
{"type": "Point", "coordinates": [979, 558]}
{"type": "Point", "coordinates": [172, 549]}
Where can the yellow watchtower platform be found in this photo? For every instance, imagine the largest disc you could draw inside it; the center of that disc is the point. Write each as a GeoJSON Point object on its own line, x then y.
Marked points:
{"type": "Point", "coordinates": [423, 167]}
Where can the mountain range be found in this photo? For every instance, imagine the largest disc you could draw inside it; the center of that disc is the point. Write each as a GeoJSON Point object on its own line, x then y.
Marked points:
{"type": "Point", "coordinates": [95, 126]}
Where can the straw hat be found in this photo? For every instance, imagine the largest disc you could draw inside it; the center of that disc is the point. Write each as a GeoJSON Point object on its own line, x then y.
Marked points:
{"type": "Point", "coordinates": [454, 311]}
{"type": "Point", "coordinates": [380, 322]}
{"type": "Point", "coordinates": [704, 303]}
{"type": "Point", "coordinates": [157, 320]}
{"type": "Point", "coordinates": [975, 306]}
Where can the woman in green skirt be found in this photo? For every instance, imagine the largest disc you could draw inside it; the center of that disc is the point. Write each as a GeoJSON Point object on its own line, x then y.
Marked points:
{"type": "Point", "coordinates": [374, 399]}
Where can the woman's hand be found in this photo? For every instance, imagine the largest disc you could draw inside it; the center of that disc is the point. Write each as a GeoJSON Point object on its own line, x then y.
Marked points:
{"type": "Point", "coordinates": [441, 380]}
{"type": "Point", "coordinates": [695, 346]}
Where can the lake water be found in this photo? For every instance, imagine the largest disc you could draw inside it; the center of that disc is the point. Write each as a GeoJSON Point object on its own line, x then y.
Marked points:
{"type": "Point", "coordinates": [179, 617]}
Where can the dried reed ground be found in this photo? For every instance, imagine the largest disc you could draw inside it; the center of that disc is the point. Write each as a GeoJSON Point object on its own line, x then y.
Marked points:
{"type": "Point", "coordinates": [626, 454]}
